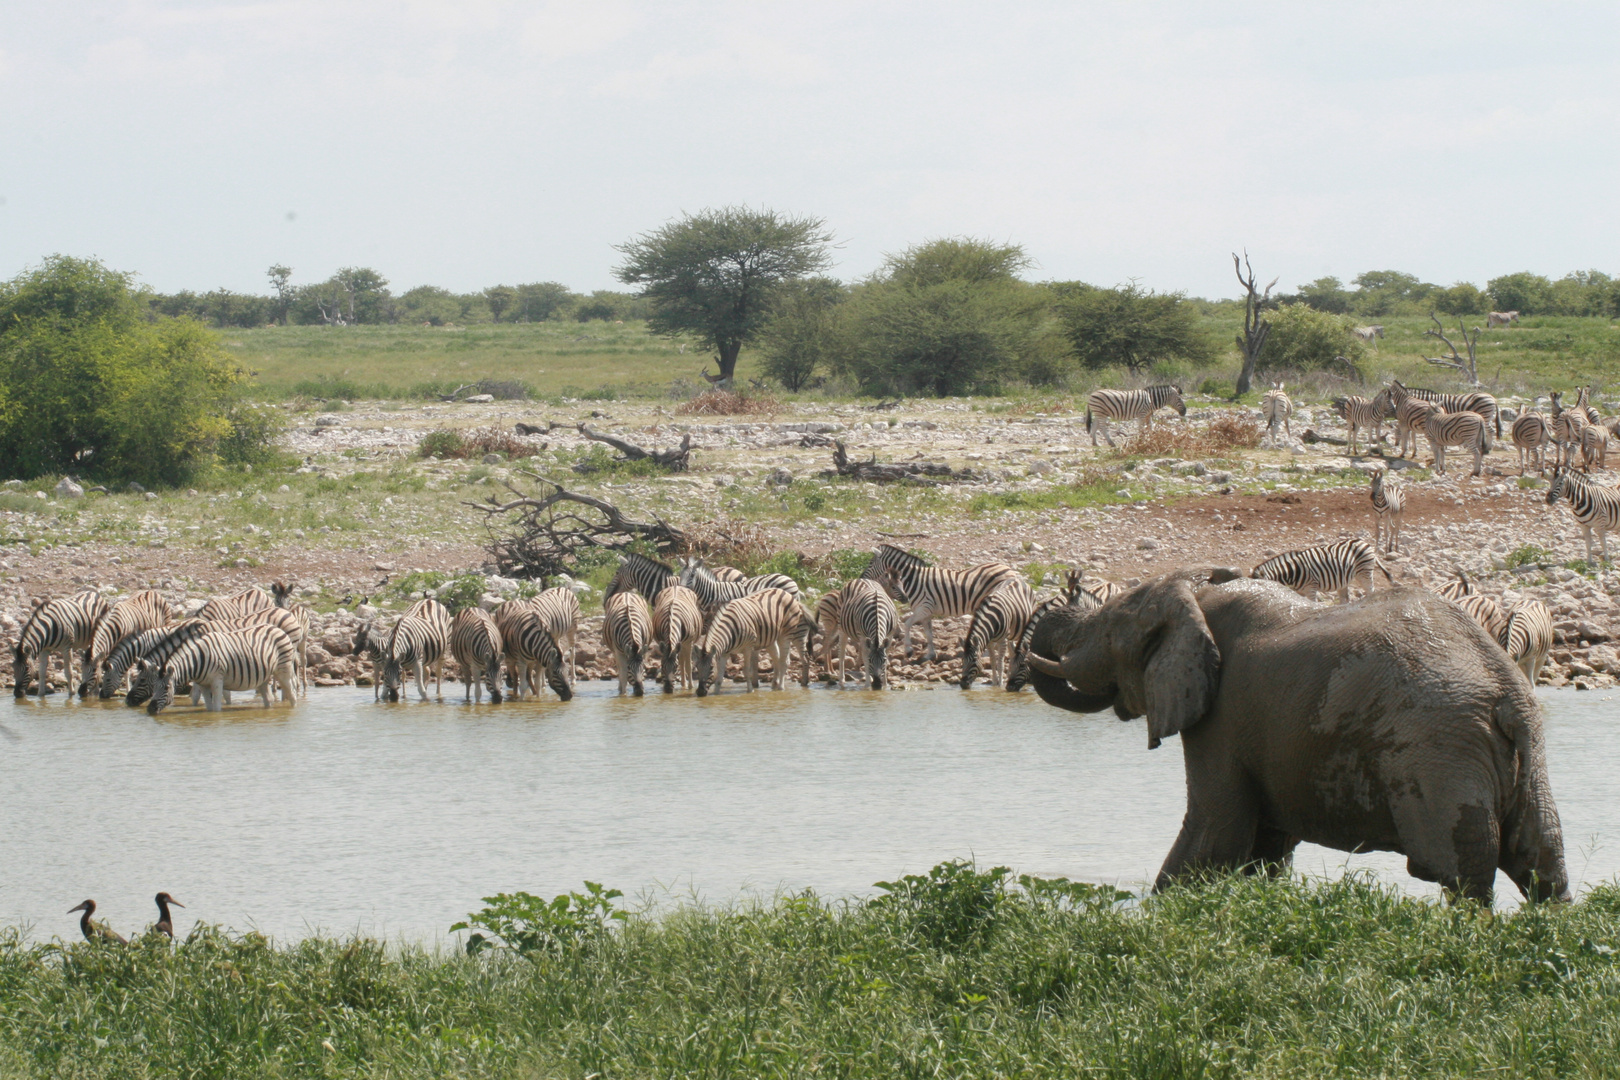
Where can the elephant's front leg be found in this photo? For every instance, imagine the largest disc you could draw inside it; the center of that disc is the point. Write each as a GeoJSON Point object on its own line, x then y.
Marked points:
{"type": "Point", "coordinates": [1221, 830]}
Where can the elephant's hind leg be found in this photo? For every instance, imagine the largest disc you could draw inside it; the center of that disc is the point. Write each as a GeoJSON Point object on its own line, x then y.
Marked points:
{"type": "Point", "coordinates": [1458, 850]}
{"type": "Point", "coordinates": [1273, 852]}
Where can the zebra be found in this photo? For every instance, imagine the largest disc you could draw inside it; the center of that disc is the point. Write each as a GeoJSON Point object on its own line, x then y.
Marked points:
{"type": "Point", "coordinates": [249, 599]}
{"type": "Point", "coordinates": [832, 638]}
{"type": "Point", "coordinates": [1457, 588]}
{"type": "Point", "coordinates": [476, 645]}
{"type": "Point", "coordinates": [145, 610]}
{"type": "Point", "coordinates": [1486, 612]}
{"type": "Point", "coordinates": [728, 573]}
{"type": "Point", "coordinates": [1277, 407]}
{"type": "Point", "coordinates": [868, 620]}
{"type": "Point", "coordinates": [1594, 446]}
{"type": "Point", "coordinates": [56, 626]}
{"type": "Point", "coordinates": [419, 639]}
{"type": "Point", "coordinates": [1389, 508]}
{"type": "Point", "coordinates": [531, 648]}
{"type": "Point", "coordinates": [152, 658]}
{"type": "Point", "coordinates": [1595, 506]}
{"type": "Point", "coordinates": [677, 623]}
{"type": "Point", "coordinates": [1500, 318]}
{"type": "Point", "coordinates": [558, 609]}
{"type": "Point", "coordinates": [714, 594]}
{"type": "Point", "coordinates": [649, 577]}
{"type": "Point", "coordinates": [1527, 635]}
{"type": "Point", "coordinates": [123, 656]}
{"type": "Point", "coordinates": [932, 592]}
{"type": "Point", "coordinates": [1101, 591]}
{"type": "Point", "coordinates": [1324, 568]}
{"type": "Point", "coordinates": [368, 645]}
{"type": "Point", "coordinates": [1583, 404]}
{"type": "Point", "coordinates": [1358, 413]}
{"type": "Point", "coordinates": [1462, 429]}
{"type": "Point", "coordinates": [1122, 405]}
{"type": "Point", "coordinates": [628, 631]}
{"type": "Point", "coordinates": [1411, 413]}
{"type": "Point", "coordinates": [996, 628]}
{"type": "Point", "coordinates": [1567, 427]}
{"type": "Point", "coordinates": [761, 620]}
{"type": "Point", "coordinates": [247, 659]}
{"type": "Point", "coordinates": [1474, 401]}
{"type": "Point", "coordinates": [1531, 434]}
{"type": "Point", "coordinates": [282, 591]}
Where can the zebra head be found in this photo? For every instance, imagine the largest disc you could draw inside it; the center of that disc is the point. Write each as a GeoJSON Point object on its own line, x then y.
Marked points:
{"type": "Point", "coordinates": [19, 670]}
{"type": "Point", "coordinates": [391, 679]}
{"type": "Point", "coordinates": [1562, 480]}
{"type": "Point", "coordinates": [554, 677]}
{"type": "Point", "coordinates": [143, 684]}
{"type": "Point", "coordinates": [1173, 399]}
{"type": "Point", "coordinates": [282, 591]}
{"type": "Point", "coordinates": [162, 687]}
{"type": "Point", "coordinates": [703, 670]}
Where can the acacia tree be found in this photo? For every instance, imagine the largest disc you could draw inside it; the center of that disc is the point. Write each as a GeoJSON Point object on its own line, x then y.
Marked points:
{"type": "Point", "coordinates": [715, 274]}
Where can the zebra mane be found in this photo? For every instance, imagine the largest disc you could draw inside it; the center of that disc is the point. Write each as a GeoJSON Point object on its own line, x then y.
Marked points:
{"type": "Point", "coordinates": [902, 556]}
{"type": "Point", "coordinates": [637, 557]}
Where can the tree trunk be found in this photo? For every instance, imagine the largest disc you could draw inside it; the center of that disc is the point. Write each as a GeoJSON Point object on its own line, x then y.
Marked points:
{"type": "Point", "coordinates": [728, 360]}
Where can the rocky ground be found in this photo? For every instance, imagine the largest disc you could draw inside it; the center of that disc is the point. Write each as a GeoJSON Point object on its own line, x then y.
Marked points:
{"type": "Point", "coordinates": [1040, 496]}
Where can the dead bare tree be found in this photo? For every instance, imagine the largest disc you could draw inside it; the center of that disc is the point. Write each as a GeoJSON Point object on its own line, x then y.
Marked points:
{"type": "Point", "coordinates": [1255, 326]}
{"type": "Point", "coordinates": [1467, 365]}
{"type": "Point", "coordinates": [917, 472]}
{"type": "Point", "coordinates": [538, 536]}
{"type": "Point", "coordinates": [675, 459]}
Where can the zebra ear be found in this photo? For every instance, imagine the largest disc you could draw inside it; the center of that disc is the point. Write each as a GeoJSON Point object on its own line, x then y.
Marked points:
{"type": "Point", "coordinates": [1177, 665]}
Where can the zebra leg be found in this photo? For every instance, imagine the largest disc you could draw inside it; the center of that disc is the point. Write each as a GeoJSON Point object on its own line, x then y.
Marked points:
{"type": "Point", "coordinates": [928, 631]}
{"type": "Point", "coordinates": [421, 678]}
{"type": "Point", "coordinates": [264, 691]}
{"type": "Point", "coordinates": [1102, 422]}
{"type": "Point", "coordinates": [288, 680]}
{"type": "Point", "coordinates": [213, 692]}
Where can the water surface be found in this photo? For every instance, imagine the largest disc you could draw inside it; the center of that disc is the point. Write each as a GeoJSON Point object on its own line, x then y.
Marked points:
{"type": "Point", "coordinates": [343, 815]}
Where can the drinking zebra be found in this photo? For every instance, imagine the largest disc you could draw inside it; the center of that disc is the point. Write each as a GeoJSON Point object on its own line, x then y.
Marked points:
{"type": "Point", "coordinates": [1329, 568]}
{"type": "Point", "coordinates": [420, 640]}
{"type": "Point", "coordinates": [649, 577]}
{"type": "Point", "coordinates": [933, 593]}
{"type": "Point", "coordinates": [1358, 413]}
{"type": "Point", "coordinates": [1531, 434]}
{"type": "Point", "coordinates": [558, 609]}
{"type": "Point", "coordinates": [762, 620]}
{"type": "Point", "coordinates": [1596, 507]}
{"type": "Point", "coordinates": [143, 683]}
{"type": "Point", "coordinates": [996, 628]}
{"type": "Point", "coordinates": [530, 649]}
{"type": "Point", "coordinates": [145, 610]}
{"type": "Point", "coordinates": [1389, 508]}
{"type": "Point", "coordinates": [247, 659]}
{"type": "Point", "coordinates": [714, 594]}
{"type": "Point", "coordinates": [1462, 429]}
{"type": "Point", "coordinates": [868, 620]}
{"type": "Point", "coordinates": [1474, 401]}
{"type": "Point", "coordinates": [57, 626]}
{"type": "Point", "coordinates": [832, 638]}
{"type": "Point", "coordinates": [1527, 635]}
{"type": "Point", "coordinates": [1122, 405]}
{"type": "Point", "coordinates": [368, 645]}
{"type": "Point", "coordinates": [677, 624]}
{"type": "Point", "coordinates": [1276, 407]}
{"type": "Point", "coordinates": [627, 629]}
{"type": "Point", "coordinates": [476, 645]}
{"type": "Point", "coordinates": [124, 655]}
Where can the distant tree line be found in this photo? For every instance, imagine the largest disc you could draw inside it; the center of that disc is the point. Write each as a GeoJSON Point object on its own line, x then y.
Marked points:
{"type": "Point", "coordinates": [359, 295]}
{"type": "Point", "coordinates": [1391, 292]}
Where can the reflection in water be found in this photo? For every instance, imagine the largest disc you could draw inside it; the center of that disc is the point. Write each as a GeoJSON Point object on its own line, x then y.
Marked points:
{"type": "Point", "coordinates": [348, 816]}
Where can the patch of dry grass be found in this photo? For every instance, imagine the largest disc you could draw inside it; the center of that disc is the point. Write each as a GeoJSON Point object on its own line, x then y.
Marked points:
{"type": "Point", "coordinates": [475, 443]}
{"type": "Point", "coordinates": [1222, 434]}
{"type": "Point", "coordinates": [729, 403]}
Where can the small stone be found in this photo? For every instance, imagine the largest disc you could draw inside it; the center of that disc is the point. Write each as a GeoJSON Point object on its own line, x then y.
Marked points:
{"type": "Point", "coordinates": [67, 489]}
{"type": "Point", "coordinates": [283, 489]}
{"type": "Point", "coordinates": [1147, 543]}
{"type": "Point", "coordinates": [479, 399]}
{"type": "Point", "coordinates": [328, 422]}
{"type": "Point", "coordinates": [241, 564]}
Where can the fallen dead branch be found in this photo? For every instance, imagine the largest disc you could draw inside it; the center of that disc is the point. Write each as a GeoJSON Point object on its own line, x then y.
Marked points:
{"type": "Point", "coordinates": [538, 536]}
{"type": "Point", "coordinates": [675, 459]}
{"type": "Point", "coordinates": [916, 472]}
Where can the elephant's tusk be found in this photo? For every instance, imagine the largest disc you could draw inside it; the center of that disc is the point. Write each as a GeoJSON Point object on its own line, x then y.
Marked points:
{"type": "Point", "coordinates": [1045, 666]}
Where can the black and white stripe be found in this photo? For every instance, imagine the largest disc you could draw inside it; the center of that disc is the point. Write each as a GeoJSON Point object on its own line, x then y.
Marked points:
{"type": "Point", "coordinates": [245, 602]}
{"type": "Point", "coordinates": [1595, 506]}
{"type": "Point", "coordinates": [1466, 430]}
{"type": "Point", "coordinates": [1583, 405]}
{"type": "Point", "coordinates": [761, 620]}
{"type": "Point", "coordinates": [250, 658]}
{"type": "Point", "coordinates": [832, 638]}
{"type": "Point", "coordinates": [1121, 405]}
{"type": "Point", "coordinates": [1485, 611]}
{"type": "Point", "coordinates": [1474, 401]}
{"type": "Point", "coordinates": [145, 610]}
{"type": "Point", "coordinates": [531, 649]}
{"type": "Point", "coordinates": [1276, 407]}
{"type": "Point", "coordinates": [1457, 588]}
{"type": "Point", "coordinates": [1411, 414]}
{"type": "Point", "coordinates": [1530, 434]}
{"type": "Point", "coordinates": [1594, 446]}
{"type": "Point", "coordinates": [649, 577]}
{"type": "Point", "coordinates": [933, 593]}
{"type": "Point", "coordinates": [627, 629]}
{"type": "Point", "coordinates": [558, 609]}
{"type": "Point", "coordinates": [419, 640]}
{"type": "Point", "coordinates": [476, 645]}
{"type": "Point", "coordinates": [677, 622]}
{"type": "Point", "coordinates": [283, 593]}
{"type": "Point", "coordinates": [1389, 509]}
{"type": "Point", "coordinates": [122, 659]}
{"type": "Point", "coordinates": [1567, 427]}
{"type": "Point", "coordinates": [714, 594]}
{"type": "Point", "coordinates": [869, 621]}
{"type": "Point", "coordinates": [56, 626]}
{"type": "Point", "coordinates": [143, 682]}
{"type": "Point", "coordinates": [996, 628]}
{"type": "Point", "coordinates": [1527, 635]}
{"type": "Point", "coordinates": [1360, 414]}
{"type": "Point", "coordinates": [1329, 568]}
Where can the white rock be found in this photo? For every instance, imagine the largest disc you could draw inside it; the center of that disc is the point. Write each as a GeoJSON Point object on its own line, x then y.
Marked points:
{"type": "Point", "coordinates": [478, 399]}
{"type": "Point", "coordinates": [67, 489]}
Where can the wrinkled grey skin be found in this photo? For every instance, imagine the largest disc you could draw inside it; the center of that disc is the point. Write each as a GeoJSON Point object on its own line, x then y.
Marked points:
{"type": "Point", "coordinates": [1391, 724]}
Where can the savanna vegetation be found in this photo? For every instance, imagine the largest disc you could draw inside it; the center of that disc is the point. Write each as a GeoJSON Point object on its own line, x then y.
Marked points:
{"type": "Point", "coordinates": [959, 972]}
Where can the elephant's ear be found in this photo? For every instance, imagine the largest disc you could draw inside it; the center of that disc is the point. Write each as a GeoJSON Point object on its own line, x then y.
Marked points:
{"type": "Point", "coordinates": [1181, 664]}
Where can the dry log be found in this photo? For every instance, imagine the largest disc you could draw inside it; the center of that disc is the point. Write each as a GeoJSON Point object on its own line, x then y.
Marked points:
{"type": "Point", "coordinates": [1311, 436]}
{"type": "Point", "coordinates": [917, 472]}
{"type": "Point", "coordinates": [676, 459]}
{"type": "Point", "coordinates": [544, 535]}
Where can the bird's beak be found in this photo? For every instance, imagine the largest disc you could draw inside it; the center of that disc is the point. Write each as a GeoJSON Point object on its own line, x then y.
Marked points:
{"type": "Point", "coordinates": [71, 910]}
{"type": "Point", "coordinates": [175, 902]}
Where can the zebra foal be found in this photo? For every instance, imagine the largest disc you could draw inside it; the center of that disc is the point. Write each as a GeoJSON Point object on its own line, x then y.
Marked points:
{"type": "Point", "coordinates": [933, 593]}
{"type": "Point", "coordinates": [1596, 507]}
{"type": "Point", "coordinates": [476, 645]}
{"type": "Point", "coordinates": [627, 627]}
{"type": "Point", "coordinates": [1359, 413]}
{"type": "Point", "coordinates": [1329, 568]}
{"type": "Point", "coordinates": [677, 624]}
{"type": "Point", "coordinates": [1389, 509]}
{"type": "Point", "coordinates": [996, 629]}
{"type": "Point", "coordinates": [867, 619]}
{"type": "Point", "coordinates": [1121, 405]}
{"type": "Point", "coordinates": [56, 626]}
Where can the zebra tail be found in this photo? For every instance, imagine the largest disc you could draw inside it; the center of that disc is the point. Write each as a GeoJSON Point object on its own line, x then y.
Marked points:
{"type": "Point", "coordinates": [1088, 417]}
{"type": "Point", "coordinates": [1380, 564]}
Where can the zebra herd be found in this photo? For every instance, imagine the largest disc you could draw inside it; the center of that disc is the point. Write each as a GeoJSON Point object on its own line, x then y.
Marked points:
{"type": "Point", "coordinates": [249, 641]}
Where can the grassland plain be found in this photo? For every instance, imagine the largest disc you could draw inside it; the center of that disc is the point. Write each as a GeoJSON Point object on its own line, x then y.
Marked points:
{"type": "Point", "coordinates": [956, 973]}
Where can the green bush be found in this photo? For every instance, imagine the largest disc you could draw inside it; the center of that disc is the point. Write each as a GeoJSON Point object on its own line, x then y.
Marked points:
{"type": "Point", "coordinates": [89, 387]}
{"type": "Point", "coordinates": [1303, 338]}
{"type": "Point", "coordinates": [444, 442]}
{"type": "Point", "coordinates": [528, 925]}
{"type": "Point", "coordinates": [802, 331]}
{"type": "Point", "coordinates": [1132, 328]}
{"type": "Point", "coordinates": [252, 436]}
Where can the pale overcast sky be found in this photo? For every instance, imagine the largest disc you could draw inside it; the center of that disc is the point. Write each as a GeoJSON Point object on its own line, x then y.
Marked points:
{"type": "Point", "coordinates": [469, 143]}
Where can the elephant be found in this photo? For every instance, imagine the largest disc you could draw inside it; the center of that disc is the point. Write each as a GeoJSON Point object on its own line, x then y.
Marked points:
{"type": "Point", "coordinates": [1392, 724]}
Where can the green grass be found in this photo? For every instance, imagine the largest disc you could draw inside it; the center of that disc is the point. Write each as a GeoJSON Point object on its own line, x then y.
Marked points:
{"type": "Point", "coordinates": [1100, 491]}
{"type": "Point", "coordinates": [949, 974]}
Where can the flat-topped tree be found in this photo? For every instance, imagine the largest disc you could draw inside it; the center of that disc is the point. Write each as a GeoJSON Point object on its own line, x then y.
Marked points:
{"type": "Point", "coordinates": [715, 273]}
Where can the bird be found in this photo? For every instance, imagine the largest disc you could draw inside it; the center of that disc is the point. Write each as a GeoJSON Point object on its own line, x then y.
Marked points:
{"type": "Point", "coordinates": [94, 931]}
{"type": "Point", "coordinates": [165, 923]}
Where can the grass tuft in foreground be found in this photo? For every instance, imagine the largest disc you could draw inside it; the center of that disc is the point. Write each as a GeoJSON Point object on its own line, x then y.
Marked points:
{"type": "Point", "coordinates": [954, 973]}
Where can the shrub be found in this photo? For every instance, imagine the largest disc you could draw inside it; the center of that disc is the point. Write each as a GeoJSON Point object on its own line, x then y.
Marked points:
{"type": "Point", "coordinates": [1461, 299]}
{"type": "Point", "coordinates": [729, 403]}
{"type": "Point", "coordinates": [1132, 328]}
{"type": "Point", "coordinates": [1303, 338]}
{"type": "Point", "coordinates": [526, 924]}
{"type": "Point", "coordinates": [802, 330]}
{"type": "Point", "coordinates": [1524, 292]}
{"type": "Point", "coordinates": [253, 432]}
{"type": "Point", "coordinates": [473, 443]}
{"type": "Point", "coordinates": [89, 387]}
